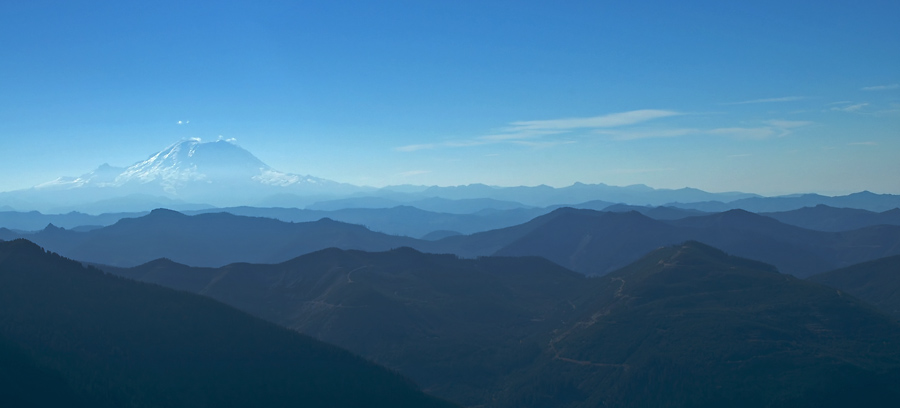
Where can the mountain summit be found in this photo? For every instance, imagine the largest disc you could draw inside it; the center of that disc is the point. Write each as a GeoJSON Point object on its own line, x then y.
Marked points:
{"type": "Point", "coordinates": [218, 173]}
{"type": "Point", "coordinates": [175, 168]}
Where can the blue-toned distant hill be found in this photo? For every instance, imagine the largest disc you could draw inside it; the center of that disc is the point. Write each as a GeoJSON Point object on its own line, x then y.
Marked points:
{"type": "Point", "coordinates": [432, 204]}
{"type": "Point", "coordinates": [685, 325]}
{"type": "Point", "coordinates": [207, 239]}
{"type": "Point", "coordinates": [33, 220]}
{"type": "Point", "coordinates": [825, 218]}
{"type": "Point", "coordinates": [864, 200]}
{"type": "Point", "coordinates": [74, 336]}
{"type": "Point", "coordinates": [596, 243]}
{"type": "Point", "coordinates": [587, 241]}
{"type": "Point", "coordinates": [401, 220]}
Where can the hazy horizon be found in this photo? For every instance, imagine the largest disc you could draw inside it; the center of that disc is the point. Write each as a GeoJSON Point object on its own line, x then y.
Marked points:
{"type": "Point", "coordinates": [766, 98]}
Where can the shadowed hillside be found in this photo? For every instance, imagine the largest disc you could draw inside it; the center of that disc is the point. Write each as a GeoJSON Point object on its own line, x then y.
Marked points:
{"type": "Point", "coordinates": [876, 282]}
{"type": "Point", "coordinates": [684, 326]}
{"type": "Point", "coordinates": [596, 243]}
{"type": "Point", "coordinates": [104, 341]}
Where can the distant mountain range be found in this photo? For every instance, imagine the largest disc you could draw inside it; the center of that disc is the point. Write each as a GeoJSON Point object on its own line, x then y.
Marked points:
{"type": "Point", "coordinates": [596, 243]}
{"type": "Point", "coordinates": [586, 241]}
{"type": "Point", "coordinates": [206, 239]}
{"type": "Point", "coordinates": [418, 223]}
{"type": "Point", "coordinates": [192, 175]}
{"type": "Point", "coordinates": [685, 325]}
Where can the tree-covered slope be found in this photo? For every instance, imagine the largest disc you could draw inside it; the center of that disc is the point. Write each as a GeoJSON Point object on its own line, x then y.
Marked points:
{"type": "Point", "coordinates": [876, 282]}
{"type": "Point", "coordinates": [114, 342]}
{"type": "Point", "coordinates": [691, 326]}
{"type": "Point", "coordinates": [684, 326]}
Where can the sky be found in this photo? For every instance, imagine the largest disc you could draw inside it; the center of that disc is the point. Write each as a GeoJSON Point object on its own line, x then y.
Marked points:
{"type": "Point", "coordinates": [767, 97]}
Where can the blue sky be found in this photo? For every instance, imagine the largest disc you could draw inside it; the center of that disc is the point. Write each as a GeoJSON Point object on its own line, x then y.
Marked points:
{"type": "Point", "coordinates": [766, 97]}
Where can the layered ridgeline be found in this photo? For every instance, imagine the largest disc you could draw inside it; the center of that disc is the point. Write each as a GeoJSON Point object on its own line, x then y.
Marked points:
{"type": "Point", "coordinates": [876, 282]}
{"type": "Point", "coordinates": [191, 175]}
{"type": "Point", "coordinates": [436, 218]}
{"type": "Point", "coordinates": [684, 326]}
{"type": "Point", "coordinates": [587, 241]}
{"type": "Point", "coordinates": [73, 336]}
{"type": "Point", "coordinates": [596, 243]}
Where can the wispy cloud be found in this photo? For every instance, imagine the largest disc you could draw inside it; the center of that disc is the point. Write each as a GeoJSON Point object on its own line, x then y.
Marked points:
{"type": "Point", "coordinates": [745, 133]}
{"type": "Point", "coordinates": [862, 144]}
{"type": "Point", "coordinates": [604, 121]}
{"type": "Point", "coordinates": [541, 134]}
{"type": "Point", "coordinates": [534, 133]}
{"type": "Point", "coordinates": [881, 87]}
{"type": "Point", "coordinates": [768, 100]}
{"type": "Point", "coordinates": [788, 124]}
{"type": "Point", "coordinates": [773, 128]}
{"type": "Point", "coordinates": [850, 108]}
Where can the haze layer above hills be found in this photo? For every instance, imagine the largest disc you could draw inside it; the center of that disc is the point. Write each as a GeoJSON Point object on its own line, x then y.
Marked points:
{"type": "Point", "coordinates": [191, 175]}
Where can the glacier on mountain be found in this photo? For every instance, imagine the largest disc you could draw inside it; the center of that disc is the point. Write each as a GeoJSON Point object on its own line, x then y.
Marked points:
{"type": "Point", "coordinates": [217, 173]}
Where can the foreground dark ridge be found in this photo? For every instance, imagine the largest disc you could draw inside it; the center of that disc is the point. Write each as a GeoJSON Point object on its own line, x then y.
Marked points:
{"type": "Point", "coordinates": [73, 336]}
{"type": "Point", "coordinates": [684, 326]}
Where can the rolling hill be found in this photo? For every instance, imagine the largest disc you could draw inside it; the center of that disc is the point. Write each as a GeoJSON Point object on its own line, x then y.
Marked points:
{"type": "Point", "coordinates": [105, 341]}
{"type": "Point", "coordinates": [684, 326]}
{"type": "Point", "coordinates": [876, 282]}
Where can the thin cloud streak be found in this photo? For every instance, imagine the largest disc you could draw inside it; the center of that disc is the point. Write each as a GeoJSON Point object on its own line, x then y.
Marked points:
{"type": "Point", "coordinates": [744, 133]}
{"type": "Point", "coordinates": [850, 108]}
{"type": "Point", "coordinates": [604, 121]}
{"type": "Point", "coordinates": [533, 133]}
{"type": "Point", "coordinates": [881, 87]}
{"type": "Point", "coordinates": [768, 100]}
{"type": "Point", "coordinates": [775, 128]}
{"type": "Point", "coordinates": [529, 133]}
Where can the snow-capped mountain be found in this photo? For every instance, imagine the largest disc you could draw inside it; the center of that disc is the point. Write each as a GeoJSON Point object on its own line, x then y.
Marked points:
{"type": "Point", "coordinates": [192, 171]}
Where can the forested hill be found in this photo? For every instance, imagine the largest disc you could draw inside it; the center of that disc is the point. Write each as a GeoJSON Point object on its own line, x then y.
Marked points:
{"type": "Point", "coordinates": [95, 340]}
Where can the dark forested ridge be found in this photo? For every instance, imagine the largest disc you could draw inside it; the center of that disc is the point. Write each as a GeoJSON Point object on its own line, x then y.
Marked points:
{"type": "Point", "coordinates": [876, 282]}
{"type": "Point", "coordinates": [689, 325]}
{"type": "Point", "coordinates": [684, 326]}
{"type": "Point", "coordinates": [454, 325]}
{"type": "Point", "coordinates": [74, 336]}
